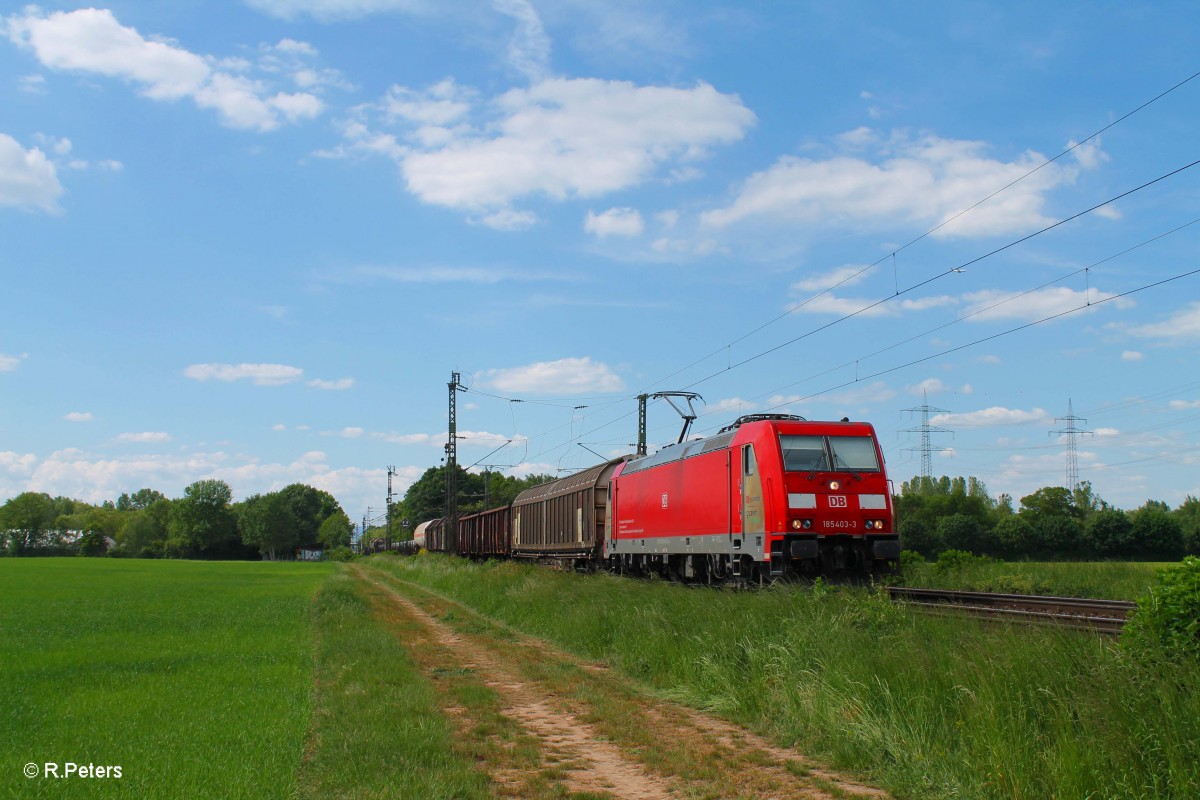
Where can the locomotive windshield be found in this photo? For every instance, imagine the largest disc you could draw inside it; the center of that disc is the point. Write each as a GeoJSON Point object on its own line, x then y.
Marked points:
{"type": "Point", "coordinates": [817, 453]}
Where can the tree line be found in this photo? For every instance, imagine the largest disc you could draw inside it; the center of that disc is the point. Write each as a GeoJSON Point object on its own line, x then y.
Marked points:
{"type": "Point", "coordinates": [1052, 523]}
{"type": "Point", "coordinates": [476, 491]}
{"type": "Point", "coordinates": [204, 523]}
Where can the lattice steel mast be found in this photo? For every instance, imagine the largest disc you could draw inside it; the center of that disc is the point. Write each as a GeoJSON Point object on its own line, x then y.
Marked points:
{"type": "Point", "coordinates": [1071, 432]}
{"type": "Point", "coordinates": [926, 448]}
{"type": "Point", "coordinates": [452, 465]}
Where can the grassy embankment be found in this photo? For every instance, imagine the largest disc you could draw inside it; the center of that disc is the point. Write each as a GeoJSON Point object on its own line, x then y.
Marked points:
{"type": "Point", "coordinates": [213, 680]}
{"type": "Point", "coordinates": [927, 706]}
{"type": "Point", "coordinates": [1107, 580]}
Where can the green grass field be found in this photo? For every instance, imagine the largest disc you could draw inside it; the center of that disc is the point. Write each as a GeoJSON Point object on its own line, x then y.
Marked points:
{"type": "Point", "coordinates": [195, 678]}
{"type": "Point", "coordinates": [1107, 580]}
{"type": "Point", "coordinates": [929, 707]}
{"type": "Point", "coordinates": [259, 680]}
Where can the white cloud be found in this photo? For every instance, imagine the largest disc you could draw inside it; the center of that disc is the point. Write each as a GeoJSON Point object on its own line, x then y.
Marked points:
{"type": "Point", "coordinates": [279, 426]}
{"type": "Point", "coordinates": [480, 439]}
{"type": "Point", "coordinates": [437, 107]}
{"type": "Point", "coordinates": [259, 374]}
{"type": "Point", "coordinates": [777, 402]}
{"type": "Point", "coordinates": [675, 247]}
{"type": "Point", "coordinates": [848, 275]}
{"type": "Point", "coordinates": [1184, 405]}
{"type": "Point", "coordinates": [558, 138]}
{"type": "Point", "coordinates": [729, 404]}
{"type": "Point", "coordinates": [876, 392]}
{"type": "Point", "coordinates": [335, 386]}
{"type": "Point", "coordinates": [92, 41]}
{"type": "Point", "coordinates": [926, 303]}
{"type": "Point", "coordinates": [529, 48]}
{"type": "Point", "coordinates": [507, 219]}
{"type": "Point", "coordinates": [1183, 324]}
{"type": "Point", "coordinates": [995, 304]}
{"type": "Point", "coordinates": [16, 464]}
{"type": "Point", "coordinates": [1088, 155]}
{"type": "Point", "coordinates": [466, 438]}
{"type": "Point", "coordinates": [1131, 355]}
{"type": "Point", "coordinates": [403, 438]}
{"type": "Point", "coordinates": [566, 376]}
{"type": "Point", "coordinates": [924, 180]}
{"type": "Point", "coordinates": [28, 178]}
{"type": "Point", "coordinates": [614, 222]}
{"type": "Point", "coordinates": [330, 10]}
{"type": "Point", "coordinates": [95, 478]}
{"type": "Point", "coordinates": [438, 274]}
{"type": "Point", "coordinates": [351, 433]}
{"type": "Point", "coordinates": [668, 219]}
{"type": "Point", "coordinates": [9, 363]}
{"type": "Point", "coordinates": [988, 417]}
{"type": "Point", "coordinates": [844, 306]}
{"type": "Point", "coordinates": [928, 386]}
{"type": "Point", "coordinates": [79, 416]}
{"type": "Point", "coordinates": [32, 84]}
{"type": "Point", "coordinates": [146, 437]}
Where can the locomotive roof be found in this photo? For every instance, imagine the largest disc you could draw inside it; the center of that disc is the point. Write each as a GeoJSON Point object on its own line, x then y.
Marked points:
{"type": "Point", "coordinates": [681, 450]}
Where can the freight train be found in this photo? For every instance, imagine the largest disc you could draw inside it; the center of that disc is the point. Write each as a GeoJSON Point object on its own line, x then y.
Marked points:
{"type": "Point", "coordinates": [770, 496]}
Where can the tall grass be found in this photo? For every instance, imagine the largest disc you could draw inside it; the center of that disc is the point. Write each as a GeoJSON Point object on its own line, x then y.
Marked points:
{"type": "Point", "coordinates": [927, 706]}
{"type": "Point", "coordinates": [194, 677]}
{"type": "Point", "coordinates": [1108, 580]}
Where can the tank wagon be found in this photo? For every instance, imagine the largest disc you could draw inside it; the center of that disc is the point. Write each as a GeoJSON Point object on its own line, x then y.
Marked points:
{"type": "Point", "coordinates": [770, 496]}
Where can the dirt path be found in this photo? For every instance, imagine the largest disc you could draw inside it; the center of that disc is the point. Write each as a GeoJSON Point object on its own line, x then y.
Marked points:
{"type": "Point", "coordinates": [581, 726]}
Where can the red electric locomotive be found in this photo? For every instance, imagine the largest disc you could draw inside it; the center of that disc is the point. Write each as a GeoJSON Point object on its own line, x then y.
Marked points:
{"type": "Point", "coordinates": [769, 496]}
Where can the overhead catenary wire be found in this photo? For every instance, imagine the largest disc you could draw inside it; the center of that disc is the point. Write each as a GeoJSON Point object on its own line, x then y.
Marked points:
{"type": "Point", "coordinates": [892, 255]}
{"type": "Point", "coordinates": [610, 402]}
{"type": "Point", "coordinates": [944, 274]}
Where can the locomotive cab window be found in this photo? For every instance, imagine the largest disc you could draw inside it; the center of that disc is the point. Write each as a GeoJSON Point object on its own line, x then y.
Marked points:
{"type": "Point", "coordinates": [829, 453]}
{"type": "Point", "coordinates": [855, 453]}
{"type": "Point", "coordinates": [804, 453]}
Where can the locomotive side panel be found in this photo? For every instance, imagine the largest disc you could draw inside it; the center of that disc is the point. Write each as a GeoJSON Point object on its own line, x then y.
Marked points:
{"type": "Point", "coordinates": [684, 498]}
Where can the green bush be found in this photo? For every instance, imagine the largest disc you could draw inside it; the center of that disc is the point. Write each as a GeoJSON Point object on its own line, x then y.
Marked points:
{"type": "Point", "coordinates": [910, 559]}
{"type": "Point", "coordinates": [955, 560]}
{"type": "Point", "coordinates": [1169, 616]}
{"type": "Point", "coordinates": [340, 554]}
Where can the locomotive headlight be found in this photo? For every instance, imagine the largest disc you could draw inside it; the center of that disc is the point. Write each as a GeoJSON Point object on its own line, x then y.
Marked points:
{"type": "Point", "coordinates": [835, 485]}
{"type": "Point", "coordinates": [806, 524]}
{"type": "Point", "coordinates": [795, 524]}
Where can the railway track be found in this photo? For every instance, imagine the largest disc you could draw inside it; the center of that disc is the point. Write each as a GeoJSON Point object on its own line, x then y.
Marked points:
{"type": "Point", "coordinates": [1102, 616]}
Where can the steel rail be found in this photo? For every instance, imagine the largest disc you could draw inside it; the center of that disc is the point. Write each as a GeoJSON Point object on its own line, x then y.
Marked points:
{"type": "Point", "coordinates": [1102, 616]}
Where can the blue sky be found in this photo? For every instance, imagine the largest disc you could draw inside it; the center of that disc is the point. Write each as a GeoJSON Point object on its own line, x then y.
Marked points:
{"type": "Point", "coordinates": [252, 240]}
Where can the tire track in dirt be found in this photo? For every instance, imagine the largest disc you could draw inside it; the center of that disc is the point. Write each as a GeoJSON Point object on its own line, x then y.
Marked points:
{"type": "Point", "coordinates": [591, 764]}
{"type": "Point", "coordinates": [753, 767]}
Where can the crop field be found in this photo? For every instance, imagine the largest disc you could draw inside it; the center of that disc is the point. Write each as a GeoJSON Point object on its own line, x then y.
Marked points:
{"type": "Point", "coordinates": [431, 677]}
{"type": "Point", "coordinates": [195, 678]}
